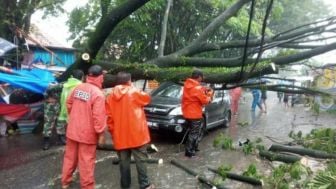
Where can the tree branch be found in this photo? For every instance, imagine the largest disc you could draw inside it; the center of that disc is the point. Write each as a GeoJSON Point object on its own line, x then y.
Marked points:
{"type": "Point", "coordinates": [164, 29]}
{"type": "Point", "coordinates": [210, 29]}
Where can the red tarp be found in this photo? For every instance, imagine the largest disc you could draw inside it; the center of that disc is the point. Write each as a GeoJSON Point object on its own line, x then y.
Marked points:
{"type": "Point", "coordinates": [13, 112]}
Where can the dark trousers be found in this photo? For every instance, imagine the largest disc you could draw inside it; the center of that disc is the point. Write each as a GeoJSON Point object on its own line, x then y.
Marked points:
{"type": "Point", "coordinates": [125, 168]}
{"type": "Point", "coordinates": [194, 136]}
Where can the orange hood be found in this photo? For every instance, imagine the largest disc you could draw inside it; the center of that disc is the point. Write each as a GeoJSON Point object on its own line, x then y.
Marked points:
{"type": "Point", "coordinates": [191, 83]}
{"type": "Point", "coordinates": [119, 91]}
{"type": "Point", "coordinates": [97, 81]}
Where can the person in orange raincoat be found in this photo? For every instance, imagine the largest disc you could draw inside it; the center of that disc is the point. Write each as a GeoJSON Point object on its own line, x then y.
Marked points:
{"type": "Point", "coordinates": [128, 126]}
{"type": "Point", "coordinates": [194, 97]}
{"type": "Point", "coordinates": [86, 123]}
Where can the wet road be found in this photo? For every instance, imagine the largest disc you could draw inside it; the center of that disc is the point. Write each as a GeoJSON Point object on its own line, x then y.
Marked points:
{"type": "Point", "coordinates": [24, 165]}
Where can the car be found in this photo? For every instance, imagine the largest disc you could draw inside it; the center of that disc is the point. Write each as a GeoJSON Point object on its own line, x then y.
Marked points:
{"type": "Point", "coordinates": [164, 113]}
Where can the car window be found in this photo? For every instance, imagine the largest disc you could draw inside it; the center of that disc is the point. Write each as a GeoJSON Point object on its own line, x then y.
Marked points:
{"type": "Point", "coordinates": [219, 94]}
{"type": "Point", "coordinates": [172, 91]}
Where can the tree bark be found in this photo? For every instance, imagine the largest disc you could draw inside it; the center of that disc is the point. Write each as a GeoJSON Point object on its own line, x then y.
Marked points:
{"type": "Point", "coordinates": [279, 157]}
{"type": "Point", "coordinates": [103, 29]}
{"type": "Point", "coordinates": [177, 74]}
{"type": "Point", "coordinates": [303, 151]}
{"type": "Point", "coordinates": [194, 173]}
{"type": "Point", "coordinates": [164, 29]}
{"type": "Point", "coordinates": [237, 177]}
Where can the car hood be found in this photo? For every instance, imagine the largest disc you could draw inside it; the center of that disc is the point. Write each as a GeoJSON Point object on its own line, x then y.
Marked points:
{"type": "Point", "coordinates": [165, 101]}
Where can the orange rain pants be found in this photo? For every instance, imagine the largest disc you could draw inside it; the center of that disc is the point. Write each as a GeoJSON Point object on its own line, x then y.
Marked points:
{"type": "Point", "coordinates": [81, 155]}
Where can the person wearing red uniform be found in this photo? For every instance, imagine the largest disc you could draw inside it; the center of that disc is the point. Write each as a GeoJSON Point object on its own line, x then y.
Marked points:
{"type": "Point", "coordinates": [128, 127]}
{"type": "Point", "coordinates": [235, 96]}
{"type": "Point", "coordinates": [86, 122]}
{"type": "Point", "coordinates": [194, 97]}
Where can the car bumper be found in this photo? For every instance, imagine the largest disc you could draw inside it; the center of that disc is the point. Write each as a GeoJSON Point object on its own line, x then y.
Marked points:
{"type": "Point", "coordinates": [172, 124]}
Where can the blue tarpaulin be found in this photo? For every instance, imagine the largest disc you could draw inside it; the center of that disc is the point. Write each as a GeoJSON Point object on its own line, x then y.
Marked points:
{"type": "Point", "coordinates": [35, 80]}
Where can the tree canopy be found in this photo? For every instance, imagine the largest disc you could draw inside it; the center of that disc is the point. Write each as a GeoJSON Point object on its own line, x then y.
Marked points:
{"type": "Point", "coordinates": [232, 40]}
{"type": "Point", "coordinates": [207, 34]}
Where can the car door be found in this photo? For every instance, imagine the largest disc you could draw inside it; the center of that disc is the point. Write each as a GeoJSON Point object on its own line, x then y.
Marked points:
{"type": "Point", "coordinates": [214, 109]}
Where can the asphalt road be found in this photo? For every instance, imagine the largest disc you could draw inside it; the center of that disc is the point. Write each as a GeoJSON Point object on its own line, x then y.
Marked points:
{"type": "Point", "coordinates": [23, 165]}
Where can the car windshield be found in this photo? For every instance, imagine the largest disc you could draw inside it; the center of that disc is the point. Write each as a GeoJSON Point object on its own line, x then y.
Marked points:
{"type": "Point", "coordinates": [172, 91]}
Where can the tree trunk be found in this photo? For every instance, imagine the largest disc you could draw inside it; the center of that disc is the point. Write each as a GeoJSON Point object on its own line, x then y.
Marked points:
{"type": "Point", "coordinates": [164, 29]}
{"type": "Point", "coordinates": [303, 151]}
{"type": "Point", "coordinates": [217, 75]}
{"type": "Point", "coordinates": [279, 157]}
{"type": "Point", "coordinates": [103, 29]}
{"type": "Point", "coordinates": [194, 173]}
{"type": "Point", "coordinates": [237, 177]}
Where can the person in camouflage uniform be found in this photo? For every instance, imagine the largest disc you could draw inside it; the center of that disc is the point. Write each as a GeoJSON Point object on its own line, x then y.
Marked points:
{"type": "Point", "coordinates": [51, 110]}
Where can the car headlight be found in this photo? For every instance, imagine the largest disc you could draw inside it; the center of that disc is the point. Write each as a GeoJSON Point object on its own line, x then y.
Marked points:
{"type": "Point", "coordinates": [176, 111]}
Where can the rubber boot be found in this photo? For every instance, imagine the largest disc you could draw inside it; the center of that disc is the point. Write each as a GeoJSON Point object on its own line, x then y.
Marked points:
{"type": "Point", "coordinates": [46, 143]}
{"type": "Point", "coordinates": [61, 139]}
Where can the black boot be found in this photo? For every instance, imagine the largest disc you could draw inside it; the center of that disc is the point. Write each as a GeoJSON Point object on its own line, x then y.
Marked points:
{"type": "Point", "coordinates": [61, 139]}
{"type": "Point", "coordinates": [46, 143]}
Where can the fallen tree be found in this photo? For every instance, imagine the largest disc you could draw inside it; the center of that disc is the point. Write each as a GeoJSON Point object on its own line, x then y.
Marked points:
{"type": "Point", "coordinates": [302, 151]}
{"type": "Point", "coordinates": [279, 157]}
{"type": "Point", "coordinates": [238, 177]}
{"type": "Point", "coordinates": [198, 177]}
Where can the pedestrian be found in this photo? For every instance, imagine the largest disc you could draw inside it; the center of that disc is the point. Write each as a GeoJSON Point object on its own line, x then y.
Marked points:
{"type": "Point", "coordinates": [194, 97]}
{"type": "Point", "coordinates": [280, 95]}
{"type": "Point", "coordinates": [3, 127]}
{"type": "Point", "coordinates": [86, 124]}
{"type": "Point", "coordinates": [235, 96]}
{"type": "Point", "coordinates": [51, 110]}
{"type": "Point", "coordinates": [263, 99]}
{"type": "Point", "coordinates": [256, 100]}
{"type": "Point", "coordinates": [128, 127]}
{"type": "Point", "coordinates": [285, 100]}
{"type": "Point", "coordinates": [76, 78]}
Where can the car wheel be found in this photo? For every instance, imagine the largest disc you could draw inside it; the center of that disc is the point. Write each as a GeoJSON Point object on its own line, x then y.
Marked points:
{"type": "Point", "coordinates": [227, 118]}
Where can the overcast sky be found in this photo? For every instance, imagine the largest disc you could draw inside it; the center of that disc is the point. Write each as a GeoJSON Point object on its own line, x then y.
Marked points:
{"type": "Point", "coordinates": [57, 28]}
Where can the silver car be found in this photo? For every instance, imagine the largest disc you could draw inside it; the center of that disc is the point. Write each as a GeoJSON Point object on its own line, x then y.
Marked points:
{"type": "Point", "coordinates": [164, 114]}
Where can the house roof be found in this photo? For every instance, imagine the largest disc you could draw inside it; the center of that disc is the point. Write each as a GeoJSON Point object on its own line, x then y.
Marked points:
{"type": "Point", "coordinates": [38, 38]}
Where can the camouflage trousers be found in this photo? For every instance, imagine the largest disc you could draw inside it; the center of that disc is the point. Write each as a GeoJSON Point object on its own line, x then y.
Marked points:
{"type": "Point", "coordinates": [51, 111]}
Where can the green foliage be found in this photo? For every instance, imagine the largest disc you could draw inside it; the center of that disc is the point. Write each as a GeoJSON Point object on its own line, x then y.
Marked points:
{"type": "Point", "coordinates": [223, 170]}
{"type": "Point", "coordinates": [286, 52]}
{"type": "Point", "coordinates": [285, 175]}
{"type": "Point", "coordinates": [318, 139]}
{"type": "Point", "coordinates": [252, 172]}
{"type": "Point", "coordinates": [248, 148]}
{"type": "Point", "coordinates": [324, 179]}
{"type": "Point", "coordinates": [243, 123]}
{"type": "Point", "coordinates": [224, 142]}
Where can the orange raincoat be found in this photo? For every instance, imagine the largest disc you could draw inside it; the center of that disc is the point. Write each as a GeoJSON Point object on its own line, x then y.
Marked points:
{"type": "Point", "coordinates": [126, 117]}
{"type": "Point", "coordinates": [87, 120]}
{"type": "Point", "coordinates": [194, 98]}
